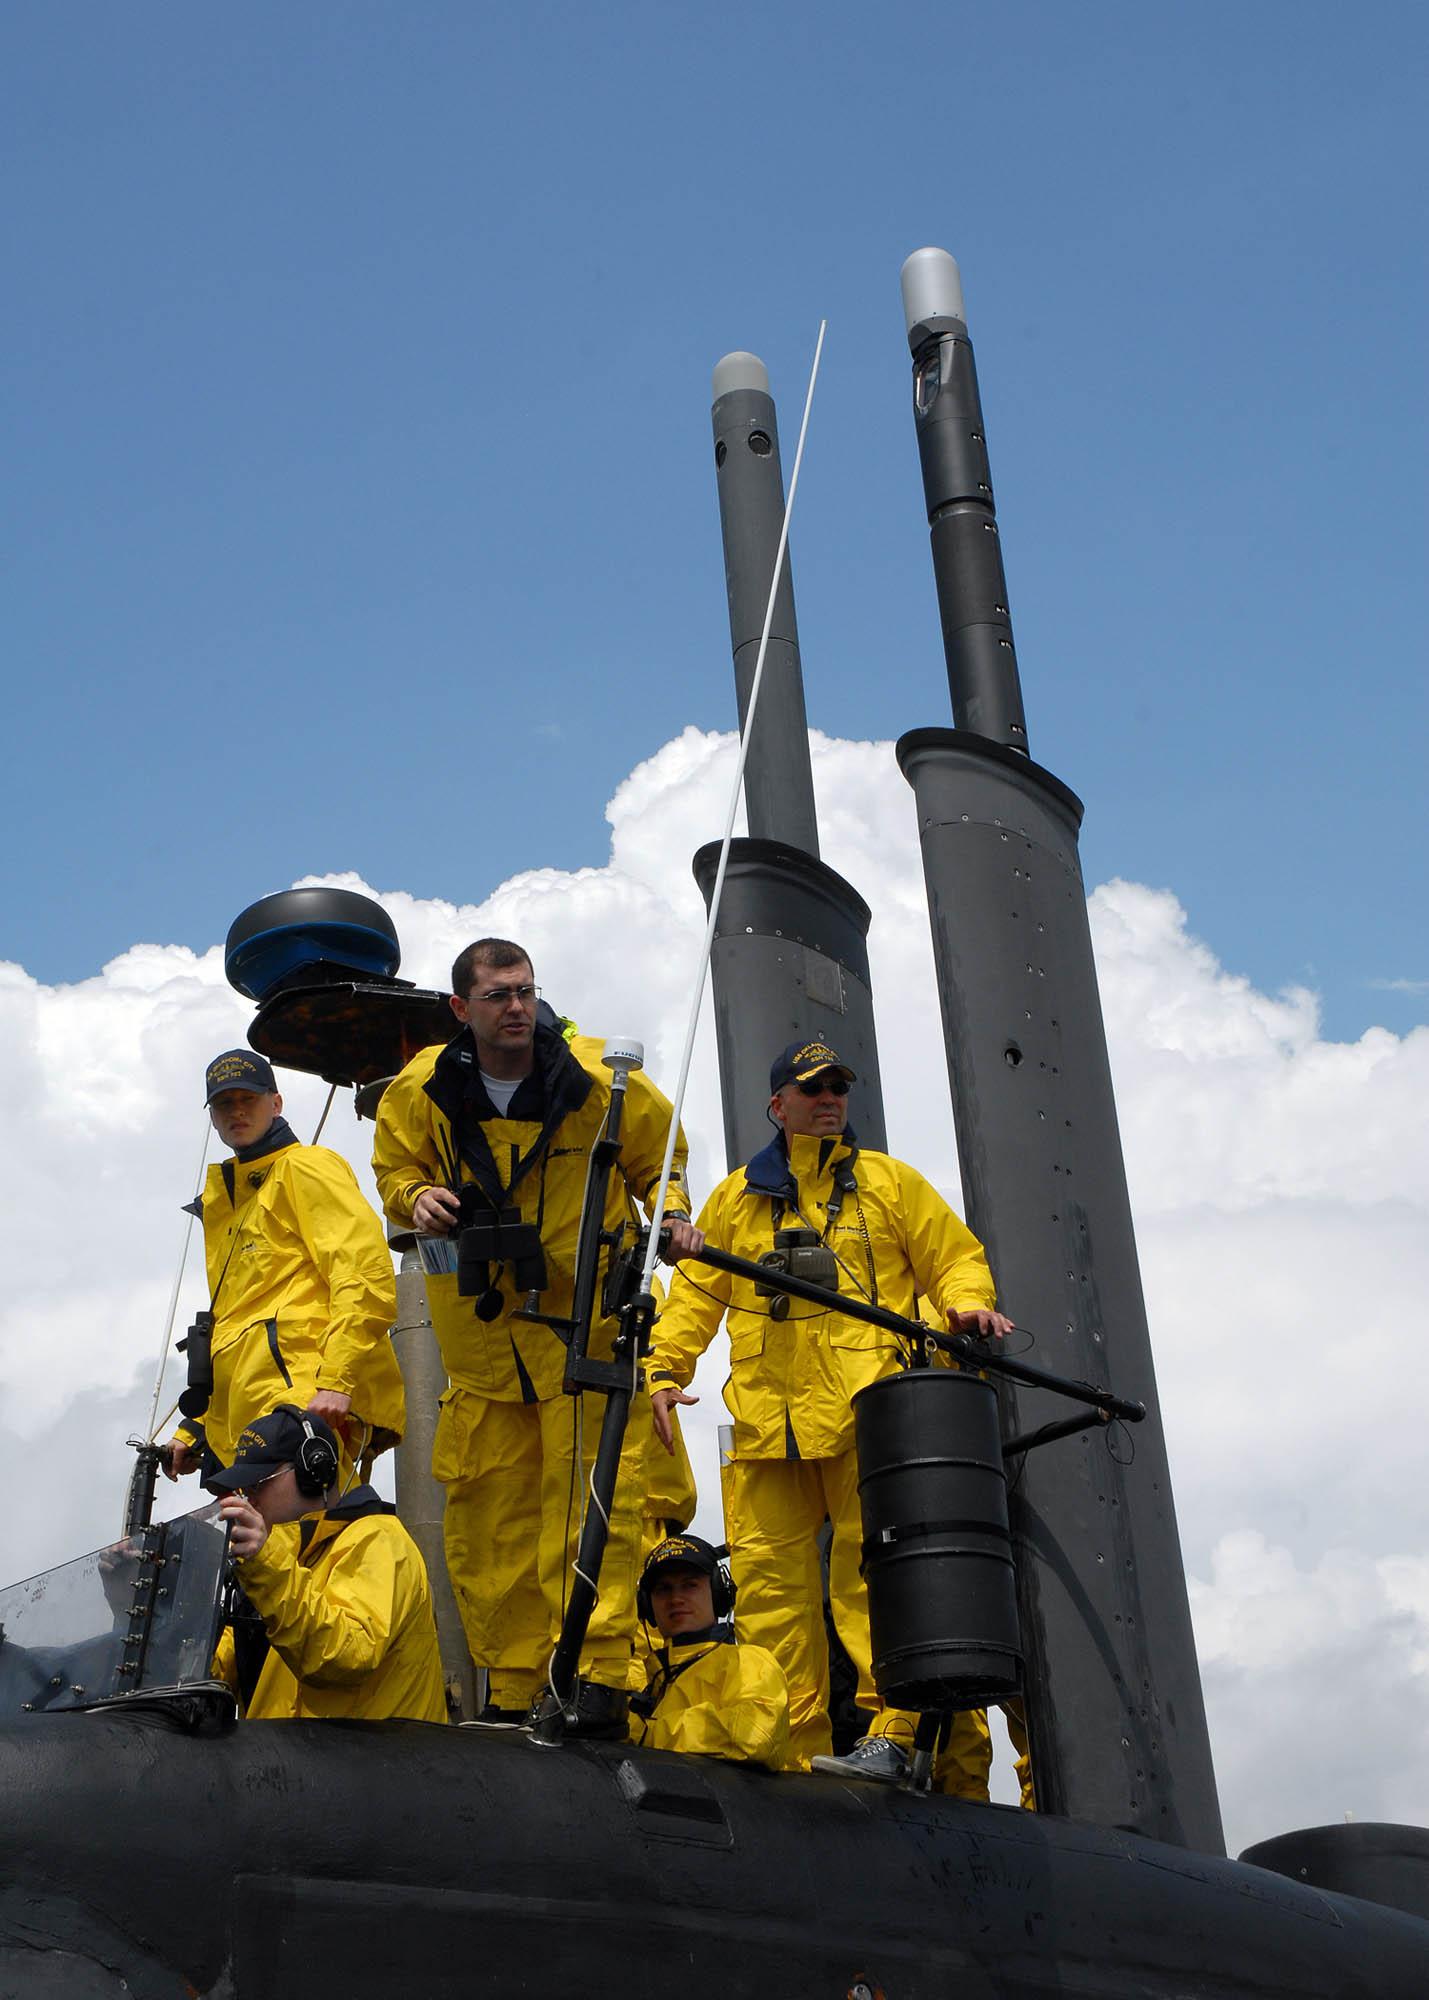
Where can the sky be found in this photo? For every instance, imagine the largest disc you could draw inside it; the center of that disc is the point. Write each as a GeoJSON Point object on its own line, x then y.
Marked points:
{"type": "Point", "coordinates": [362, 509]}
{"type": "Point", "coordinates": [362, 522]}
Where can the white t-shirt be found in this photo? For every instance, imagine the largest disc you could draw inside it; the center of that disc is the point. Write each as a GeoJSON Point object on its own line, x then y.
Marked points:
{"type": "Point", "coordinates": [501, 1089]}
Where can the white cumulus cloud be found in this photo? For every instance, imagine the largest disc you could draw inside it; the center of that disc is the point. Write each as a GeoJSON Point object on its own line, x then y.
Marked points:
{"type": "Point", "coordinates": [1279, 1183]}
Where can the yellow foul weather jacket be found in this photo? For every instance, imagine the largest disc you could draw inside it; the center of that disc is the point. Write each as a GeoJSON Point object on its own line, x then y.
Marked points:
{"type": "Point", "coordinates": [792, 1380]}
{"type": "Point", "coordinates": [303, 1293]}
{"type": "Point", "coordinates": [437, 1128]}
{"type": "Point", "coordinates": [348, 1613]}
{"type": "Point", "coordinates": [712, 1699]}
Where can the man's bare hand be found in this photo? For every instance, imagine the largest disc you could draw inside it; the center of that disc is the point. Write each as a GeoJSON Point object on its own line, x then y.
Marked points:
{"type": "Point", "coordinates": [660, 1402]}
{"type": "Point", "coordinates": [247, 1530]}
{"type": "Point", "coordinates": [178, 1458]}
{"type": "Point", "coordinates": [331, 1405]}
{"type": "Point", "coordinates": [435, 1210]}
{"type": "Point", "coordinates": [682, 1239]}
{"type": "Point", "coordinates": [981, 1322]}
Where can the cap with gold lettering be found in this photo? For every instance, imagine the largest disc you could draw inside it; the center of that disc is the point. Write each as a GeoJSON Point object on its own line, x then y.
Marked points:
{"type": "Point", "coordinates": [237, 1069]}
{"type": "Point", "coordinates": [801, 1060]}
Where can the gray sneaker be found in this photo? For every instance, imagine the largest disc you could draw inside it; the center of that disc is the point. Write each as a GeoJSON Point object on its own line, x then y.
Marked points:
{"type": "Point", "coordinates": [876, 1757]}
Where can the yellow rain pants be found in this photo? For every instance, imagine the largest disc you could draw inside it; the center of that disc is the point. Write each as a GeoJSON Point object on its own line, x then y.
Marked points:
{"type": "Point", "coordinates": [515, 1495]}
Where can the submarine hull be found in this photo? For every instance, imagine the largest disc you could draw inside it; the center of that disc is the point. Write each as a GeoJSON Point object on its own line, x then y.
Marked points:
{"type": "Point", "coordinates": [461, 1862]}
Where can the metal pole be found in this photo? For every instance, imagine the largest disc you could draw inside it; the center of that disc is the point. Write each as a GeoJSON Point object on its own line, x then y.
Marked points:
{"type": "Point", "coordinates": [590, 1554]}
{"type": "Point", "coordinates": [789, 963]}
{"type": "Point", "coordinates": [421, 1499]}
{"type": "Point", "coordinates": [789, 955]}
{"type": "Point", "coordinates": [962, 517]}
{"type": "Point", "coordinates": [916, 1334]}
{"type": "Point", "coordinates": [619, 1379]}
{"type": "Point", "coordinates": [1114, 1698]}
{"type": "Point", "coordinates": [778, 776]}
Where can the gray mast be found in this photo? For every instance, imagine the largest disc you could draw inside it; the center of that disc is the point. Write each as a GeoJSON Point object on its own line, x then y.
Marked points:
{"type": "Point", "coordinates": [962, 519]}
{"type": "Point", "coordinates": [790, 957]}
{"type": "Point", "coordinates": [778, 776]}
{"type": "Point", "coordinates": [1114, 1699]}
{"type": "Point", "coordinates": [421, 1499]}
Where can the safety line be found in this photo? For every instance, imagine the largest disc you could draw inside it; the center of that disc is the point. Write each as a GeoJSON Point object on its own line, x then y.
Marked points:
{"type": "Point", "coordinates": [178, 1283]}
{"type": "Point", "coordinates": [652, 1250]}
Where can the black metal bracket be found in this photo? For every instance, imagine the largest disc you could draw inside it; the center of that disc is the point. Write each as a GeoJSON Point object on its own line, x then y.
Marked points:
{"type": "Point", "coordinates": [139, 1503]}
{"type": "Point", "coordinates": [602, 1375]}
{"type": "Point", "coordinates": [581, 1373]}
{"type": "Point", "coordinates": [976, 1353]}
{"type": "Point", "coordinates": [150, 1558]}
{"type": "Point", "coordinates": [1049, 1433]}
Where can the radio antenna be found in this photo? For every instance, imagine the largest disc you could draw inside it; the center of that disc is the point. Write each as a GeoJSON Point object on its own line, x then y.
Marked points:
{"type": "Point", "coordinates": [191, 1210]}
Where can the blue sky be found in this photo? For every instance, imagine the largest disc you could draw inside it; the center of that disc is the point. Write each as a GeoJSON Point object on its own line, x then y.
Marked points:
{"type": "Point", "coordinates": [361, 509]}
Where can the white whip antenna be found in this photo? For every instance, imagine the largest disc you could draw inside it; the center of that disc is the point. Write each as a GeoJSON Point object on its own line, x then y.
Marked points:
{"type": "Point", "coordinates": [652, 1250]}
{"type": "Point", "coordinates": [178, 1284]}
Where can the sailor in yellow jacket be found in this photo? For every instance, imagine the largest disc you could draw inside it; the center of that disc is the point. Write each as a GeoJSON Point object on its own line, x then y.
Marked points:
{"type": "Point", "coordinates": [301, 1291]}
{"type": "Point", "coordinates": [495, 1130]}
{"type": "Point", "coordinates": [794, 1371]}
{"type": "Point", "coordinates": [706, 1696]}
{"type": "Point", "coordinates": [338, 1582]}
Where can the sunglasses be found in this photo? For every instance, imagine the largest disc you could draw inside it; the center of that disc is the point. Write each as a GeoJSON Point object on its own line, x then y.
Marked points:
{"type": "Point", "coordinates": [817, 1085]}
{"type": "Point", "coordinates": [500, 996]}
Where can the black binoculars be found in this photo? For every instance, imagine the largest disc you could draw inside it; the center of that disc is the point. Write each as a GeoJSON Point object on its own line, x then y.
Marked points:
{"type": "Point", "coordinates": [197, 1344]}
{"type": "Point", "coordinates": [493, 1239]}
{"type": "Point", "coordinates": [798, 1253]}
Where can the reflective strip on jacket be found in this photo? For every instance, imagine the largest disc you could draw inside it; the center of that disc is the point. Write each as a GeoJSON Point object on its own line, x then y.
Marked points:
{"type": "Point", "coordinates": [416, 1147]}
{"type": "Point", "coordinates": [305, 1295]}
{"type": "Point", "coordinates": [349, 1621]}
{"type": "Point", "coordinates": [792, 1381]}
{"type": "Point", "coordinates": [719, 1700]}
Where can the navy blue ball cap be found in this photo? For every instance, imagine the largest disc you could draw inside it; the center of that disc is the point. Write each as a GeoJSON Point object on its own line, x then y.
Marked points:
{"type": "Point", "coordinates": [266, 1446]}
{"type": "Point", "coordinates": [801, 1060]}
{"type": "Point", "coordinates": [237, 1069]}
{"type": "Point", "coordinates": [680, 1552]}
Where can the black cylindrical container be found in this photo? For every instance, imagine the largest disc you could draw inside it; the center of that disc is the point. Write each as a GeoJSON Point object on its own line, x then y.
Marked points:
{"type": "Point", "coordinates": [937, 1554]}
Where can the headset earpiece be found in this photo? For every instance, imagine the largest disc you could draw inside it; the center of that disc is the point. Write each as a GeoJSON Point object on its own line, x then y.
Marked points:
{"type": "Point", "coordinates": [722, 1591]}
{"type": "Point", "coordinates": [720, 1581]}
{"type": "Point", "coordinates": [317, 1464]}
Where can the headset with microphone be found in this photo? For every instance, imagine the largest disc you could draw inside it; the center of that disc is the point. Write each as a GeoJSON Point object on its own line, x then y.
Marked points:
{"type": "Point", "coordinates": [691, 1552]}
{"type": "Point", "coordinates": [317, 1464]}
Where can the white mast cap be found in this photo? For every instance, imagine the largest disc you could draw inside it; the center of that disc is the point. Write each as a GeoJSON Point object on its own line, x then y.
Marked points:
{"type": "Point", "coordinates": [932, 288]}
{"type": "Point", "coordinates": [739, 371]}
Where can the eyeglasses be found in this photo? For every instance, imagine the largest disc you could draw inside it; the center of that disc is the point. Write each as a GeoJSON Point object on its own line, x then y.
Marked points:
{"type": "Point", "coordinates": [815, 1086]}
{"type": "Point", "coordinates": [257, 1485]}
{"type": "Point", "coordinates": [501, 996]}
